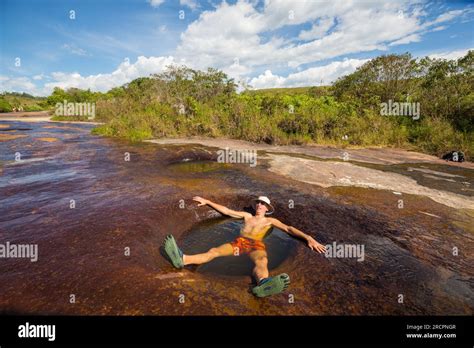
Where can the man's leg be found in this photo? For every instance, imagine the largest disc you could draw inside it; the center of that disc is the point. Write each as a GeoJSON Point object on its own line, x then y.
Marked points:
{"type": "Point", "coordinates": [223, 250]}
{"type": "Point", "coordinates": [266, 285]}
{"type": "Point", "coordinates": [260, 271]}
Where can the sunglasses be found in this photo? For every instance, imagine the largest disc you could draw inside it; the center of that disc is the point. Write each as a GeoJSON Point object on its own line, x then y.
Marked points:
{"type": "Point", "coordinates": [260, 202]}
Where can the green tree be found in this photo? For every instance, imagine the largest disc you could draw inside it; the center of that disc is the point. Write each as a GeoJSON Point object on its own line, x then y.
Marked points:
{"type": "Point", "coordinates": [5, 106]}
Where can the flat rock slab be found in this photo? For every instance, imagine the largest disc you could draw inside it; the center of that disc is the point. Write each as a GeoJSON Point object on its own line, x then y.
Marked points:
{"type": "Point", "coordinates": [368, 155]}
{"type": "Point", "coordinates": [330, 173]}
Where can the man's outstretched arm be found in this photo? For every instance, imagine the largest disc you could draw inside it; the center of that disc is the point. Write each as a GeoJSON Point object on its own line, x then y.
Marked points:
{"type": "Point", "coordinates": [221, 209]}
{"type": "Point", "coordinates": [312, 243]}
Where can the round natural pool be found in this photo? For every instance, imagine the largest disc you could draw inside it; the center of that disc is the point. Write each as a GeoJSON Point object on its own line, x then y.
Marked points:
{"type": "Point", "coordinates": [215, 232]}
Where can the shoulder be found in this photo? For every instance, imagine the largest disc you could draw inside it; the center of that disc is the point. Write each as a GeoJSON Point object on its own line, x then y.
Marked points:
{"type": "Point", "coordinates": [273, 220]}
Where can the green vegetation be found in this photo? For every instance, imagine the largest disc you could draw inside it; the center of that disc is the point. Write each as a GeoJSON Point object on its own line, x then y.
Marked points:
{"type": "Point", "coordinates": [315, 91]}
{"type": "Point", "coordinates": [5, 106]}
{"type": "Point", "coordinates": [72, 95]}
{"type": "Point", "coordinates": [186, 102]}
{"type": "Point", "coordinates": [12, 101]}
{"type": "Point", "coordinates": [444, 89]}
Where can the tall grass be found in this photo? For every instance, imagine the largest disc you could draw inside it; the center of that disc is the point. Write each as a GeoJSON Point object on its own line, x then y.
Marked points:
{"type": "Point", "coordinates": [281, 119]}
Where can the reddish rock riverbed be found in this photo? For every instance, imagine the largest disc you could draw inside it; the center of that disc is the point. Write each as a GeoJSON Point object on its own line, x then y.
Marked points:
{"type": "Point", "coordinates": [98, 220]}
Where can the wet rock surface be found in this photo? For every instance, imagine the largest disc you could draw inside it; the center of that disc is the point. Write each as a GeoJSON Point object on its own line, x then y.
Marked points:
{"type": "Point", "coordinates": [131, 205]}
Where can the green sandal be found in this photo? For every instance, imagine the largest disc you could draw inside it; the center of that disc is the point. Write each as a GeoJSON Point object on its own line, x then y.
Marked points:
{"type": "Point", "coordinates": [272, 285]}
{"type": "Point", "coordinates": [174, 253]}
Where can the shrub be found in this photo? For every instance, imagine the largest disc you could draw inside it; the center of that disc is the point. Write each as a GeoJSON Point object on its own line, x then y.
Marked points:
{"type": "Point", "coordinates": [5, 106]}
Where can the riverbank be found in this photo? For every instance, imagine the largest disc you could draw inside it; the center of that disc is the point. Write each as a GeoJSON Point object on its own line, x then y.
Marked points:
{"type": "Point", "coordinates": [376, 155]}
{"type": "Point", "coordinates": [325, 167]}
{"type": "Point", "coordinates": [35, 116]}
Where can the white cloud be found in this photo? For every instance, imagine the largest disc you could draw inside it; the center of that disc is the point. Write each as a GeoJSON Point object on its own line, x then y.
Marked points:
{"type": "Point", "coordinates": [279, 13]}
{"type": "Point", "coordinates": [322, 75]}
{"type": "Point", "coordinates": [237, 71]}
{"type": "Point", "coordinates": [447, 16]}
{"type": "Point", "coordinates": [450, 54]}
{"type": "Point", "coordinates": [39, 77]}
{"type": "Point", "coordinates": [406, 40]}
{"type": "Point", "coordinates": [162, 28]}
{"type": "Point", "coordinates": [244, 30]}
{"type": "Point", "coordinates": [220, 36]}
{"type": "Point", "coordinates": [18, 84]}
{"type": "Point", "coordinates": [192, 4]}
{"type": "Point", "coordinates": [124, 73]}
{"type": "Point", "coordinates": [317, 30]}
{"type": "Point", "coordinates": [267, 80]}
{"type": "Point", "coordinates": [74, 50]}
{"type": "Point", "coordinates": [441, 27]}
{"type": "Point", "coordinates": [156, 3]}
{"type": "Point", "coordinates": [444, 18]}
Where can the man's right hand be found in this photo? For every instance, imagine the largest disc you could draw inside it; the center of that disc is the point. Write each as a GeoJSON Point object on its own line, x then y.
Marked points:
{"type": "Point", "coordinates": [200, 200]}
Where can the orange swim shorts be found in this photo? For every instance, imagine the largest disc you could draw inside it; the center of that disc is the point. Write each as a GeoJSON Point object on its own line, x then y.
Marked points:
{"type": "Point", "coordinates": [244, 245]}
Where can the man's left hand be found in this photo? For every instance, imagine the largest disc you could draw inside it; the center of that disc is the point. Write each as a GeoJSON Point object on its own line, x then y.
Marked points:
{"type": "Point", "coordinates": [313, 245]}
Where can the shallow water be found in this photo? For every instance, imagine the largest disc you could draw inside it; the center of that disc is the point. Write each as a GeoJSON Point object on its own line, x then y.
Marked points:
{"type": "Point", "coordinates": [212, 233]}
{"type": "Point", "coordinates": [132, 205]}
{"type": "Point", "coordinates": [443, 177]}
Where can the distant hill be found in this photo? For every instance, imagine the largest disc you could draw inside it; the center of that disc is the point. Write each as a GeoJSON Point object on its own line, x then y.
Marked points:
{"type": "Point", "coordinates": [13, 101]}
{"type": "Point", "coordinates": [315, 91]}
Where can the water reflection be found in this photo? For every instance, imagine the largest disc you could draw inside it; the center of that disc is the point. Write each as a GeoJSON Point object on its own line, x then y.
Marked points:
{"type": "Point", "coordinates": [216, 232]}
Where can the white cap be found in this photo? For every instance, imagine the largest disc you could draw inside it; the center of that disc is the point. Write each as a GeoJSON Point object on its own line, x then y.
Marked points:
{"type": "Point", "coordinates": [265, 200]}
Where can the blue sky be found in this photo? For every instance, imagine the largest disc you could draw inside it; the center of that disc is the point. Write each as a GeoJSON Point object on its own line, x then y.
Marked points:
{"type": "Point", "coordinates": [265, 44]}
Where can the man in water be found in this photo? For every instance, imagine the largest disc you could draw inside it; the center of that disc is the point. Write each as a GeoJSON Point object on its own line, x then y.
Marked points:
{"type": "Point", "coordinates": [249, 242]}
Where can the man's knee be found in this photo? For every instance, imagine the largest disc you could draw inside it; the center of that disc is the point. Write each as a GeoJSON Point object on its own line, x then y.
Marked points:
{"type": "Point", "coordinates": [261, 260]}
{"type": "Point", "coordinates": [213, 252]}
